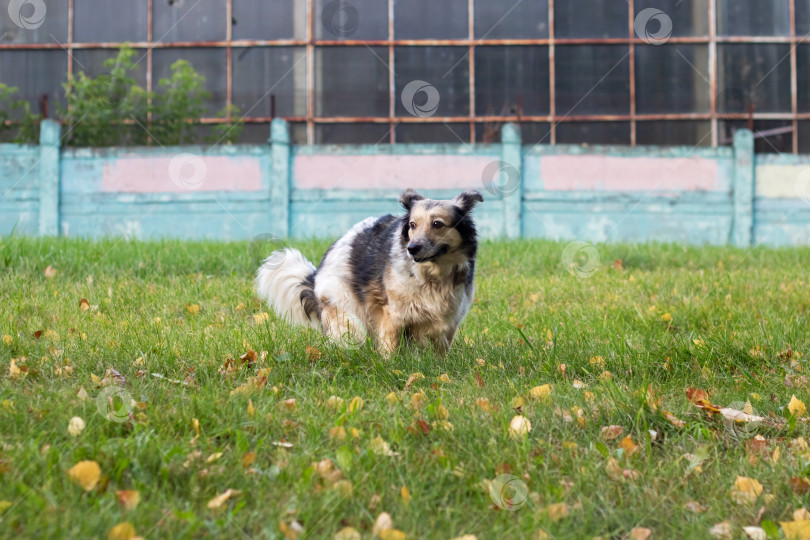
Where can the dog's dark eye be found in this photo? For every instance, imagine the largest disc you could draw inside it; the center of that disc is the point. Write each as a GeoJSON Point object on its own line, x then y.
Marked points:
{"type": "Point", "coordinates": [438, 224]}
{"type": "Point", "coordinates": [412, 225]}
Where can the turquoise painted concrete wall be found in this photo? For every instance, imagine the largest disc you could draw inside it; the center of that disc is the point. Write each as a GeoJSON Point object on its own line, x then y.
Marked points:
{"type": "Point", "coordinates": [590, 193]}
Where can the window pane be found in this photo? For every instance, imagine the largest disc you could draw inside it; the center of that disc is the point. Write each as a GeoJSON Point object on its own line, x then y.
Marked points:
{"type": "Point", "coordinates": [509, 76]}
{"type": "Point", "coordinates": [593, 79]}
{"type": "Point", "coordinates": [674, 132]}
{"type": "Point", "coordinates": [593, 133]}
{"type": "Point", "coordinates": [772, 144]}
{"type": "Point", "coordinates": [352, 133]}
{"type": "Point", "coordinates": [802, 17]}
{"type": "Point", "coordinates": [672, 79]}
{"type": "Point", "coordinates": [351, 19]}
{"type": "Point", "coordinates": [509, 20]}
{"type": "Point", "coordinates": [530, 132]}
{"type": "Point", "coordinates": [446, 69]}
{"type": "Point", "coordinates": [433, 133]}
{"type": "Point", "coordinates": [35, 73]}
{"type": "Point", "coordinates": [91, 61]}
{"type": "Point", "coordinates": [187, 20]}
{"type": "Point", "coordinates": [430, 19]}
{"type": "Point", "coordinates": [688, 17]}
{"type": "Point", "coordinates": [803, 68]}
{"type": "Point", "coordinates": [255, 133]}
{"type": "Point", "coordinates": [760, 72]}
{"type": "Point", "coordinates": [260, 19]}
{"type": "Point", "coordinates": [804, 137]}
{"type": "Point", "coordinates": [586, 18]}
{"type": "Point", "coordinates": [351, 81]}
{"type": "Point", "coordinates": [753, 18]}
{"type": "Point", "coordinates": [46, 25]}
{"type": "Point", "coordinates": [113, 21]}
{"type": "Point", "coordinates": [210, 63]}
{"type": "Point", "coordinates": [261, 72]}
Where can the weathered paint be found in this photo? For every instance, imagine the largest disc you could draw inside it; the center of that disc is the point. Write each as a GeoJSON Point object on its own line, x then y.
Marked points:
{"type": "Point", "coordinates": [783, 181]}
{"type": "Point", "coordinates": [360, 172]}
{"type": "Point", "coordinates": [591, 193]}
{"type": "Point", "coordinates": [181, 172]}
{"type": "Point", "coordinates": [608, 173]}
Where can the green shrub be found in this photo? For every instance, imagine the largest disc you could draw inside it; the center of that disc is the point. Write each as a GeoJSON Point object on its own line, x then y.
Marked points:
{"type": "Point", "coordinates": [17, 123]}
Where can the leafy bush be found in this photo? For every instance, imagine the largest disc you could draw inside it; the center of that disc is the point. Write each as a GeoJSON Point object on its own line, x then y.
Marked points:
{"type": "Point", "coordinates": [112, 110]}
{"type": "Point", "coordinates": [17, 123]}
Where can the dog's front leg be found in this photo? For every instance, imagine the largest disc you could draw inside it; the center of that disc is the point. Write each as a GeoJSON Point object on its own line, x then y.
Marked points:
{"type": "Point", "coordinates": [388, 334]}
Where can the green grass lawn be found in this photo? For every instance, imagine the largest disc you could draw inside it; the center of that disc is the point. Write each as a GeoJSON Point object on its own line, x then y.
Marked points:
{"type": "Point", "coordinates": [425, 436]}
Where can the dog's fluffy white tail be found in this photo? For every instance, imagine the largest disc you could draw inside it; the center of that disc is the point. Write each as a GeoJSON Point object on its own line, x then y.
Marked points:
{"type": "Point", "coordinates": [285, 281]}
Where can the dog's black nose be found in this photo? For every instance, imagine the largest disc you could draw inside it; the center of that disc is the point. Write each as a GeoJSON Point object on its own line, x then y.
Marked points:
{"type": "Point", "coordinates": [413, 249]}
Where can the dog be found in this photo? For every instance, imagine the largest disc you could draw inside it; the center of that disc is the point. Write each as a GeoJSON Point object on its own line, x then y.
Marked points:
{"type": "Point", "coordinates": [391, 278]}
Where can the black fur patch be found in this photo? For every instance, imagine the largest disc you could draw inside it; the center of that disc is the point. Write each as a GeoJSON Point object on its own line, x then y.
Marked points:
{"type": "Point", "coordinates": [308, 300]}
{"type": "Point", "coordinates": [371, 253]}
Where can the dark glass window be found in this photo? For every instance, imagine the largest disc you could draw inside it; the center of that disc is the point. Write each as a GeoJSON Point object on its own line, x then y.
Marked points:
{"type": "Point", "coordinates": [34, 23]}
{"type": "Point", "coordinates": [355, 19]}
{"type": "Point", "coordinates": [430, 19]}
{"type": "Point", "coordinates": [590, 19]}
{"type": "Point", "coordinates": [517, 80]}
{"type": "Point", "coordinates": [672, 79]}
{"type": "Point", "coordinates": [260, 19]}
{"type": "Point", "coordinates": [109, 20]}
{"type": "Point", "coordinates": [758, 72]}
{"type": "Point", "coordinates": [753, 18]}
{"type": "Point", "coordinates": [445, 69]}
{"type": "Point", "coordinates": [593, 79]}
{"type": "Point", "coordinates": [210, 63]}
{"type": "Point", "coordinates": [688, 17]}
{"type": "Point", "coordinates": [433, 133]}
{"type": "Point", "coordinates": [511, 20]}
{"type": "Point", "coordinates": [803, 63]}
{"type": "Point", "coordinates": [674, 132]}
{"type": "Point", "coordinates": [593, 133]}
{"type": "Point", "coordinates": [352, 133]}
{"type": "Point", "coordinates": [351, 81]}
{"type": "Point", "coordinates": [35, 73]}
{"type": "Point", "coordinates": [262, 72]}
{"type": "Point", "coordinates": [188, 20]}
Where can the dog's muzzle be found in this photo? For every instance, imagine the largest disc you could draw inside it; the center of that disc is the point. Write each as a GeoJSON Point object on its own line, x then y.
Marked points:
{"type": "Point", "coordinates": [416, 251]}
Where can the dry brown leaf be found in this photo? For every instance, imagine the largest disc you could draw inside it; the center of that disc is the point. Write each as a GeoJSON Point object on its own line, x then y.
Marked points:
{"type": "Point", "coordinates": [50, 271]}
{"type": "Point", "coordinates": [519, 427]}
{"type": "Point", "coordinates": [695, 507]}
{"type": "Point", "coordinates": [611, 432]}
{"type": "Point", "coordinates": [628, 445]}
{"type": "Point", "coordinates": [755, 533]}
{"type": "Point", "coordinates": [348, 533]}
{"type": "Point", "coordinates": [745, 490]}
{"type": "Point", "coordinates": [722, 531]}
{"type": "Point", "coordinates": [86, 474]}
{"type": "Point", "coordinates": [556, 511]}
{"type": "Point", "coordinates": [640, 533]}
{"type": "Point", "coordinates": [84, 305]}
{"type": "Point", "coordinates": [128, 499]}
{"type": "Point", "coordinates": [248, 458]}
{"type": "Point", "coordinates": [382, 523]}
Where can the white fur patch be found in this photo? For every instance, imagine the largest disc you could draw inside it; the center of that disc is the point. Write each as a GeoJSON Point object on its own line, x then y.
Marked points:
{"type": "Point", "coordinates": [278, 282]}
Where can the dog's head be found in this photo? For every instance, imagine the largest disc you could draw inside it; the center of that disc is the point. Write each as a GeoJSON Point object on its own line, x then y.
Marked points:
{"type": "Point", "coordinates": [433, 229]}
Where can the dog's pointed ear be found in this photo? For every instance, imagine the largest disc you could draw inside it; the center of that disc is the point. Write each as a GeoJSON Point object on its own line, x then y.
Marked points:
{"type": "Point", "coordinates": [466, 200]}
{"type": "Point", "coordinates": [409, 197]}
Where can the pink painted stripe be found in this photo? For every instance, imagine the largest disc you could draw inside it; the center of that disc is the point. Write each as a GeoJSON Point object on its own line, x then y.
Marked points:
{"type": "Point", "coordinates": [388, 171]}
{"type": "Point", "coordinates": [603, 173]}
{"type": "Point", "coordinates": [181, 173]}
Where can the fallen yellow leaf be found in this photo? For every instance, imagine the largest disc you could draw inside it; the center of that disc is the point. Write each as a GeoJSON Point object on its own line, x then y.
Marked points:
{"type": "Point", "coordinates": [222, 498]}
{"type": "Point", "coordinates": [519, 427]}
{"type": "Point", "coordinates": [612, 432]}
{"type": "Point", "coordinates": [796, 407]}
{"type": "Point", "coordinates": [540, 392]}
{"type": "Point", "coordinates": [128, 499]}
{"type": "Point", "coordinates": [122, 531]}
{"type": "Point", "coordinates": [86, 474]}
{"type": "Point", "coordinates": [745, 490]}
{"type": "Point", "coordinates": [796, 530]}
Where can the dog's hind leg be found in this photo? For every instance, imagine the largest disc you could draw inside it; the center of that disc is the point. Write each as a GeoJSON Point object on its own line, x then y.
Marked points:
{"type": "Point", "coordinates": [341, 327]}
{"type": "Point", "coordinates": [388, 334]}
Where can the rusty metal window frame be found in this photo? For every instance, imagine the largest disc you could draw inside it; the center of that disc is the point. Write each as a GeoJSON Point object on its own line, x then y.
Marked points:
{"type": "Point", "coordinates": [310, 44]}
